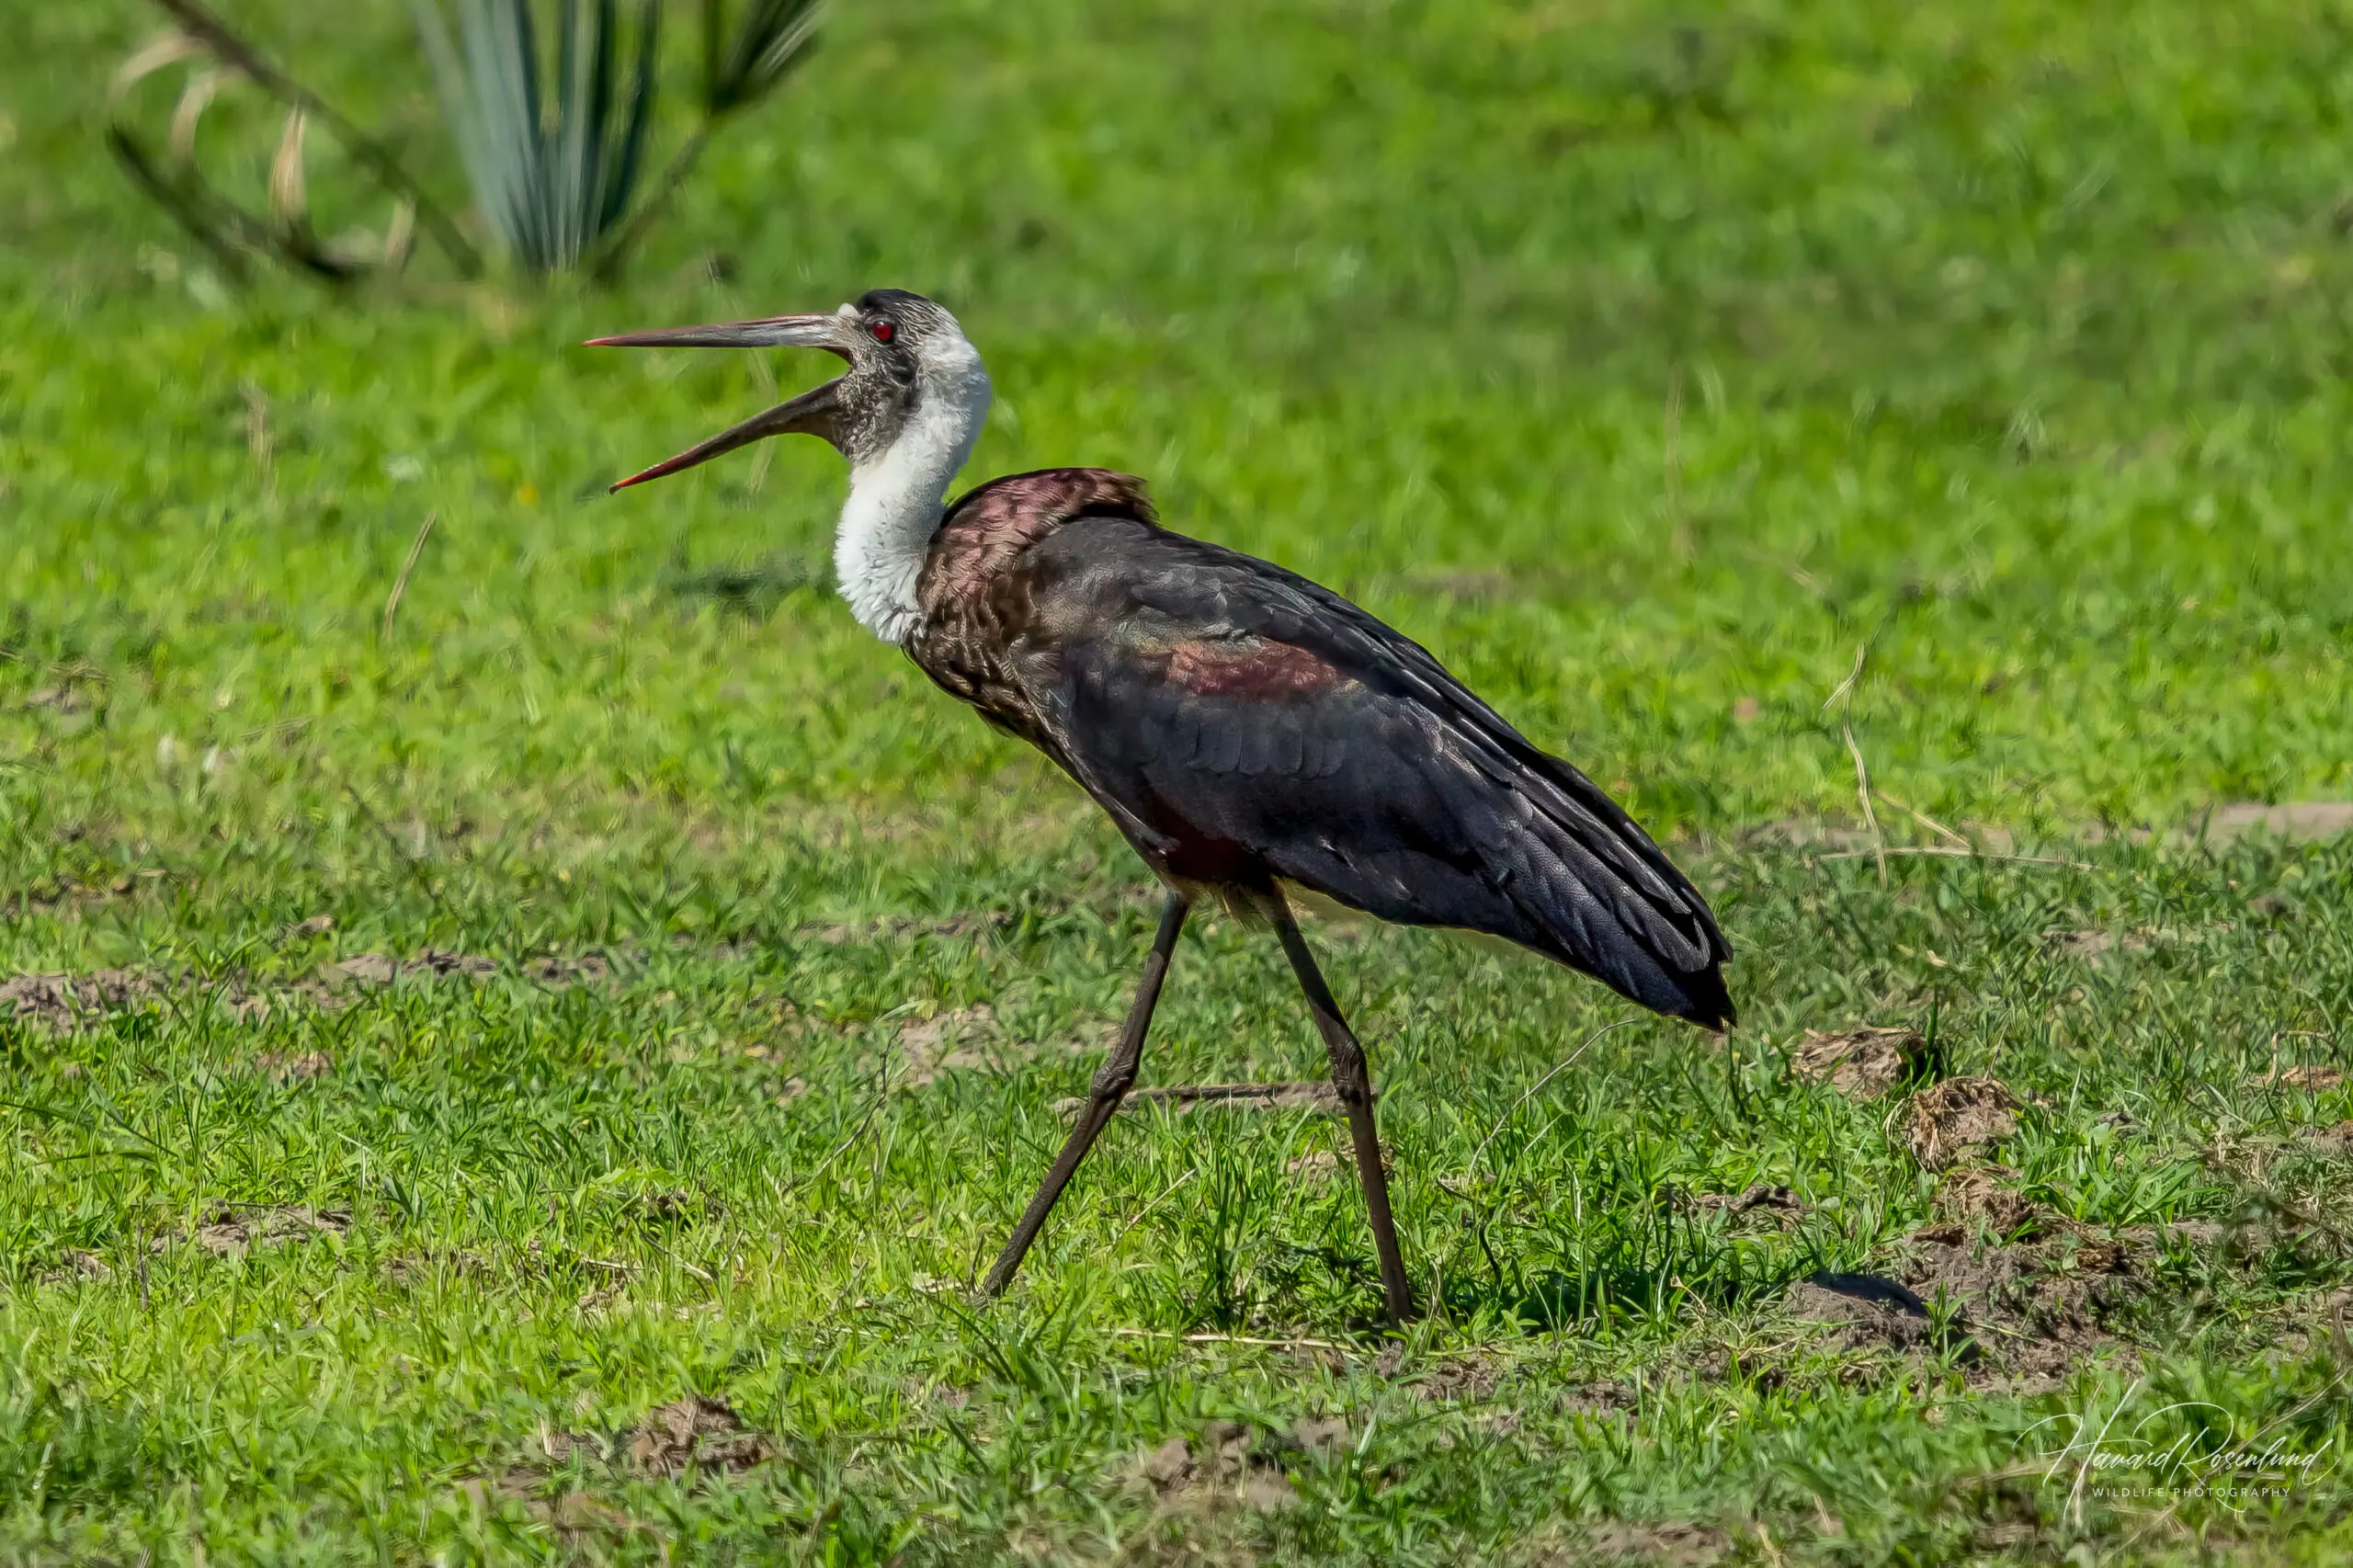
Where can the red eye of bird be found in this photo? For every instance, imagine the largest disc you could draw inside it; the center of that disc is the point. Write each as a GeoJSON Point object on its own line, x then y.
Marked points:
{"type": "Point", "coordinates": [883, 331]}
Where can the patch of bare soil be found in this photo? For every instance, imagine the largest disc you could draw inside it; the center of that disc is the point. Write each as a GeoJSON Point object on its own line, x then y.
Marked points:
{"type": "Point", "coordinates": [2094, 945]}
{"type": "Point", "coordinates": [2034, 1312]}
{"type": "Point", "coordinates": [699, 1432]}
{"type": "Point", "coordinates": [70, 890]}
{"type": "Point", "coordinates": [1473, 1376]}
{"type": "Point", "coordinates": [1950, 1119]}
{"type": "Point", "coordinates": [282, 1067]}
{"type": "Point", "coordinates": [585, 969]}
{"type": "Point", "coordinates": [1861, 1063]}
{"type": "Point", "coordinates": [2310, 1078]}
{"type": "Point", "coordinates": [1229, 1465]}
{"type": "Point", "coordinates": [1600, 1399]}
{"type": "Point", "coordinates": [1778, 1206]}
{"type": "Point", "coordinates": [1801, 833]}
{"type": "Point", "coordinates": [2194, 1234]}
{"type": "Point", "coordinates": [1316, 1165]}
{"type": "Point", "coordinates": [2026, 1295]}
{"type": "Point", "coordinates": [2019, 1317]}
{"type": "Point", "coordinates": [1672, 1544]}
{"type": "Point", "coordinates": [57, 1002]}
{"type": "Point", "coordinates": [841, 934]}
{"type": "Point", "coordinates": [946, 1042]}
{"type": "Point", "coordinates": [2292, 822]}
{"type": "Point", "coordinates": [432, 963]}
{"type": "Point", "coordinates": [232, 1233]}
{"type": "Point", "coordinates": [1322, 1435]}
{"type": "Point", "coordinates": [556, 971]}
{"type": "Point", "coordinates": [412, 1268]}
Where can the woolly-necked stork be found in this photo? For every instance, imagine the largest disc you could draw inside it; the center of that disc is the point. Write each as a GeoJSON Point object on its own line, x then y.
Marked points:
{"type": "Point", "coordinates": [1245, 728]}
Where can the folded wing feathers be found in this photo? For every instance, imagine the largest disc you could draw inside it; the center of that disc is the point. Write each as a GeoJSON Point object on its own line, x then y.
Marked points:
{"type": "Point", "coordinates": [1564, 851]}
{"type": "Point", "coordinates": [1590, 845]}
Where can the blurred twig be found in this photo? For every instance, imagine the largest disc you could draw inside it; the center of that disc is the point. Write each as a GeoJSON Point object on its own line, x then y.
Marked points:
{"type": "Point", "coordinates": [400, 585]}
{"type": "Point", "coordinates": [1843, 696]}
{"type": "Point", "coordinates": [223, 44]}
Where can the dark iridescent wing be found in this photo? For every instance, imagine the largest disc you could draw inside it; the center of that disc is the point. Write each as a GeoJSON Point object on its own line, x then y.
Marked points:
{"type": "Point", "coordinates": [1239, 711]}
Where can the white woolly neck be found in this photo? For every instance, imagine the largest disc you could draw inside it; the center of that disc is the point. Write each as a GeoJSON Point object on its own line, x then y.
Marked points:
{"type": "Point", "coordinates": [894, 504]}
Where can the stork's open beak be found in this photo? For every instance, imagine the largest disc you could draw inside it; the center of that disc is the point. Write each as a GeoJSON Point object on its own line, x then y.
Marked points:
{"type": "Point", "coordinates": [813, 413]}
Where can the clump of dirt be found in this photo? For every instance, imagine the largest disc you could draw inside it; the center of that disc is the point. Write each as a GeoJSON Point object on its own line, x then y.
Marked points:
{"type": "Point", "coordinates": [2103, 1257]}
{"type": "Point", "coordinates": [1862, 1063]}
{"type": "Point", "coordinates": [1778, 1206]}
{"type": "Point", "coordinates": [232, 1233]}
{"type": "Point", "coordinates": [1228, 1465]}
{"type": "Point", "coordinates": [575, 1515]}
{"type": "Point", "coordinates": [1987, 1196]}
{"type": "Point", "coordinates": [2330, 1142]}
{"type": "Point", "coordinates": [1597, 1399]}
{"type": "Point", "coordinates": [284, 1068]}
{"type": "Point", "coordinates": [1958, 1115]}
{"type": "Point", "coordinates": [74, 1266]}
{"type": "Point", "coordinates": [1475, 1376]}
{"type": "Point", "coordinates": [699, 1432]}
{"type": "Point", "coordinates": [1870, 1310]}
{"type": "Point", "coordinates": [2020, 1315]}
{"type": "Point", "coordinates": [2092, 945]}
{"type": "Point", "coordinates": [584, 969]}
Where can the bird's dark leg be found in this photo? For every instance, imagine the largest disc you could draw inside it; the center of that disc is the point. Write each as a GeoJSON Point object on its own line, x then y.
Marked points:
{"type": "Point", "coordinates": [1112, 1081]}
{"type": "Point", "coordinates": [1355, 1087]}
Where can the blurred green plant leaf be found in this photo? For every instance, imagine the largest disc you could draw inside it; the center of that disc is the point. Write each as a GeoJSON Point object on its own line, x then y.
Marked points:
{"type": "Point", "coordinates": [744, 64]}
{"type": "Point", "coordinates": [553, 149]}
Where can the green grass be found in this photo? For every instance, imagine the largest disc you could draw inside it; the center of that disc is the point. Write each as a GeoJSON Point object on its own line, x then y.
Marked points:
{"type": "Point", "coordinates": [2009, 344]}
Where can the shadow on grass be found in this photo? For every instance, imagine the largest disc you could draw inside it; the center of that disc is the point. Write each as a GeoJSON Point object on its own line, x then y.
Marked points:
{"type": "Point", "coordinates": [753, 589]}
